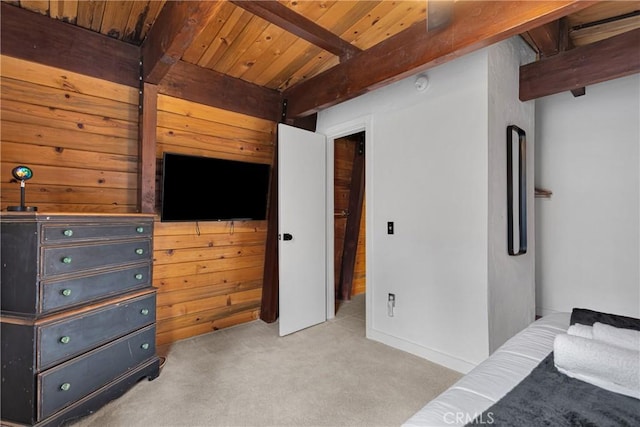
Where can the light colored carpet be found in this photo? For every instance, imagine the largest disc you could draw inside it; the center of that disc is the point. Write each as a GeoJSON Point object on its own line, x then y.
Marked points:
{"type": "Point", "coordinates": [327, 375]}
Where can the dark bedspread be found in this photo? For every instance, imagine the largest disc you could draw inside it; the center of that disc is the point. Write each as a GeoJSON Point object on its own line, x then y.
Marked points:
{"type": "Point", "coordinates": [549, 398]}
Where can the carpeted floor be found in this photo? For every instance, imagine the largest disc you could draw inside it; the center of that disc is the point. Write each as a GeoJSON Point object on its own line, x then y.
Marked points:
{"type": "Point", "coordinates": [327, 375]}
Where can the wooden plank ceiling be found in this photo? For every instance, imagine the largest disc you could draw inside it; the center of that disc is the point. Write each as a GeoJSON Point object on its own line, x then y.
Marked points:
{"type": "Point", "coordinates": [240, 44]}
{"type": "Point", "coordinates": [278, 45]}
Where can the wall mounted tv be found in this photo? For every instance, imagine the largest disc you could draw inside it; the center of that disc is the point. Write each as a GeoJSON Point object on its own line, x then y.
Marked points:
{"type": "Point", "coordinates": [198, 188]}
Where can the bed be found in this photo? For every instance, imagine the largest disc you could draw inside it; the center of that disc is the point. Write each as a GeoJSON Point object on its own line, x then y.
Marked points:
{"type": "Point", "coordinates": [508, 388]}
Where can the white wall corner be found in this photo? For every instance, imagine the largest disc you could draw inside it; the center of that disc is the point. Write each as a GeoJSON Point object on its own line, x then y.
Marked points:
{"type": "Point", "coordinates": [511, 282]}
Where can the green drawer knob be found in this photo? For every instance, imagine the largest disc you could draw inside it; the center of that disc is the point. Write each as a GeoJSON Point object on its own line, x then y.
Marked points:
{"type": "Point", "coordinates": [66, 292]}
{"type": "Point", "coordinates": [65, 387]}
{"type": "Point", "coordinates": [138, 276]}
{"type": "Point", "coordinates": [66, 260]}
{"type": "Point", "coordinates": [139, 229]}
{"type": "Point", "coordinates": [139, 251]}
{"type": "Point", "coordinates": [144, 311]}
{"type": "Point", "coordinates": [145, 346]}
{"type": "Point", "coordinates": [68, 233]}
{"type": "Point", "coordinates": [65, 340]}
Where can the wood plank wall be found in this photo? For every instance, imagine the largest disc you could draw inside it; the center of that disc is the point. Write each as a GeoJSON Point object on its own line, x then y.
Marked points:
{"type": "Point", "coordinates": [78, 134]}
{"type": "Point", "coordinates": [344, 149]}
{"type": "Point", "coordinates": [359, 281]}
{"type": "Point", "coordinates": [208, 274]}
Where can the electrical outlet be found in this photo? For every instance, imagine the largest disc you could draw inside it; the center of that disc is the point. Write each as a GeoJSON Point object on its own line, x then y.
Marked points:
{"type": "Point", "coordinates": [391, 304]}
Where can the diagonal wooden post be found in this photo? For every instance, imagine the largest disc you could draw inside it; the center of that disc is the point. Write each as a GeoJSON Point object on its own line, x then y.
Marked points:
{"type": "Point", "coordinates": [356, 199]}
{"type": "Point", "coordinates": [270, 282]}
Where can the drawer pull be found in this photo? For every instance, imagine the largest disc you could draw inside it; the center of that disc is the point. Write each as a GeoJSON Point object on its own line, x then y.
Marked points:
{"type": "Point", "coordinates": [145, 346]}
{"type": "Point", "coordinates": [138, 276]}
{"type": "Point", "coordinates": [68, 233]}
{"type": "Point", "coordinates": [139, 229]}
{"type": "Point", "coordinates": [65, 387]}
{"type": "Point", "coordinates": [139, 251]}
{"type": "Point", "coordinates": [66, 292]}
{"type": "Point", "coordinates": [66, 260]}
{"type": "Point", "coordinates": [144, 311]}
{"type": "Point", "coordinates": [65, 340]}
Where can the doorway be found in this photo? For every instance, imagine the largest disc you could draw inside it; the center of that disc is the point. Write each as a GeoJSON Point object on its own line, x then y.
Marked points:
{"type": "Point", "coordinates": [288, 292]}
{"type": "Point", "coordinates": [349, 217]}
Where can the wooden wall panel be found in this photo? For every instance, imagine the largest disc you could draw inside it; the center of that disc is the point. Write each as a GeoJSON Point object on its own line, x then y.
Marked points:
{"type": "Point", "coordinates": [80, 136]}
{"type": "Point", "coordinates": [77, 133]}
{"type": "Point", "coordinates": [343, 165]}
{"type": "Point", "coordinates": [208, 274]}
{"type": "Point", "coordinates": [359, 285]}
{"type": "Point", "coordinates": [188, 128]}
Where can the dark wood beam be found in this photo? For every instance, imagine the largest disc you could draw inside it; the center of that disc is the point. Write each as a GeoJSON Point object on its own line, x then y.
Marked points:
{"type": "Point", "coordinates": [37, 38]}
{"type": "Point", "coordinates": [307, 123]}
{"type": "Point", "coordinates": [147, 152]}
{"type": "Point", "coordinates": [290, 21]}
{"type": "Point", "coordinates": [565, 44]}
{"type": "Point", "coordinates": [177, 26]}
{"type": "Point", "coordinates": [551, 39]}
{"type": "Point", "coordinates": [581, 91]}
{"type": "Point", "coordinates": [475, 25]}
{"type": "Point", "coordinates": [608, 59]}
{"type": "Point", "coordinates": [564, 38]}
{"type": "Point", "coordinates": [546, 38]}
{"type": "Point", "coordinates": [352, 230]}
{"type": "Point", "coordinates": [197, 84]}
{"type": "Point", "coordinates": [271, 280]}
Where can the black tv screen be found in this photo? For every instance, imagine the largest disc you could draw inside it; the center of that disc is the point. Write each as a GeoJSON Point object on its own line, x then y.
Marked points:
{"type": "Point", "coordinates": [198, 188]}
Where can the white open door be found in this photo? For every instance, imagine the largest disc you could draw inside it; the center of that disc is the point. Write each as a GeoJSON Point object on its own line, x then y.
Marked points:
{"type": "Point", "coordinates": [301, 228]}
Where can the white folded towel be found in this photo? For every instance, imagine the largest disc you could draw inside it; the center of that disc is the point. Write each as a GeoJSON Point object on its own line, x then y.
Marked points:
{"type": "Point", "coordinates": [580, 330]}
{"type": "Point", "coordinates": [610, 367]}
{"type": "Point", "coordinates": [627, 338]}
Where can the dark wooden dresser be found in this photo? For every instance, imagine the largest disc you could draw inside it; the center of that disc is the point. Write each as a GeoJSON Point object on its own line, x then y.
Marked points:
{"type": "Point", "coordinates": [78, 313]}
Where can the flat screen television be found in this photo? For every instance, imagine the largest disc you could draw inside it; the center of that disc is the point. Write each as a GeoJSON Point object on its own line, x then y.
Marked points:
{"type": "Point", "coordinates": [196, 188]}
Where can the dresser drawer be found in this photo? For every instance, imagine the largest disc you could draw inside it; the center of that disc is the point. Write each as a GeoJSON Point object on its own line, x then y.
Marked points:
{"type": "Point", "coordinates": [60, 233]}
{"type": "Point", "coordinates": [69, 259]}
{"type": "Point", "coordinates": [64, 384]}
{"type": "Point", "coordinates": [66, 293]}
{"type": "Point", "coordinates": [74, 335]}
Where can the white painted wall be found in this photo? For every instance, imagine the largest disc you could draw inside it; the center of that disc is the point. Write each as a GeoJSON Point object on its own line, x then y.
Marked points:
{"type": "Point", "coordinates": [511, 283]}
{"type": "Point", "coordinates": [428, 171]}
{"type": "Point", "coordinates": [588, 232]}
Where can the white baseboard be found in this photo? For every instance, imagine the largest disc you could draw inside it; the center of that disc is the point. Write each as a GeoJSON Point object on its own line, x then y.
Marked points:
{"type": "Point", "coordinates": [434, 356]}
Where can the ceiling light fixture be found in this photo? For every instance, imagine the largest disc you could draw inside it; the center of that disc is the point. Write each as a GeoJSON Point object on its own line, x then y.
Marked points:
{"type": "Point", "coordinates": [422, 83]}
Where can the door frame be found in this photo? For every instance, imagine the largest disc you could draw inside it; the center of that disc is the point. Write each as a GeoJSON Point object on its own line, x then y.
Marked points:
{"type": "Point", "coordinates": [336, 132]}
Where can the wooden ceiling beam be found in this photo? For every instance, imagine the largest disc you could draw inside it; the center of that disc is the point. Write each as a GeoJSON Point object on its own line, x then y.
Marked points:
{"type": "Point", "coordinates": [178, 24]}
{"type": "Point", "coordinates": [608, 59]}
{"type": "Point", "coordinates": [205, 86]}
{"type": "Point", "coordinates": [474, 25]}
{"type": "Point", "coordinates": [290, 21]}
{"type": "Point", "coordinates": [546, 38]}
{"type": "Point", "coordinates": [565, 43]}
{"type": "Point", "coordinates": [38, 38]}
{"type": "Point", "coordinates": [549, 40]}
